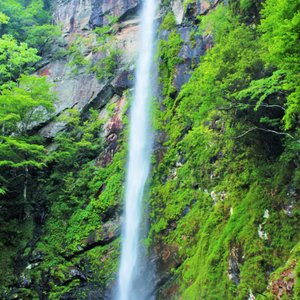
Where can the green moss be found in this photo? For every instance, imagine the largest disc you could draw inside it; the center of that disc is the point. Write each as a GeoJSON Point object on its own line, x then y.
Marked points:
{"type": "Point", "coordinates": [79, 193]}
{"type": "Point", "coordinates": [168, 51]}
{"type": "Point", "coordinates": [168, 22]}
{"type": "Point", "coordinates": [215, 184]}
{"type": "Point", "coordinates": [21, 232]}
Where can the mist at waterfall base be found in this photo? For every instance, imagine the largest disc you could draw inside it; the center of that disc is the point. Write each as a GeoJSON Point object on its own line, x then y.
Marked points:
{"type": "Point", "coordinates": [136, 275]}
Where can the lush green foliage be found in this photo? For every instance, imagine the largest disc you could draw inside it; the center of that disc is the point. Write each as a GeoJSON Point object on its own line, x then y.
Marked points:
{"type": "Point", "coordinates": [229, 168]}
{"type": "Point", "coordinates": [81, 194]}
{"type": "Point", "coordinates": [29, 22]}
{"type": "Point", "coordinates": [25, 101]}
{"type": "Point", "coordinates": [65, 181]}
{"type": "Point", "coordinates": [225, 173]}
{"type": "Point", "coordinates": [108, 60]}
{"type": "Point", "coordinates": [168, 54]}
{"type": "Point", "coordinates": [15, 58]}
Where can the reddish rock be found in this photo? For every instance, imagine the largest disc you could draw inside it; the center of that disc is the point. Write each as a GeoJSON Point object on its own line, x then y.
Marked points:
{"type": "Point", "coordinates": [44, 72]}
{"type": "Point", "coordinates": [167, 257]}
{"type": "Point", "coordinates": [284, 285]}
{"type": "Point", "coordinates": [112, 129]}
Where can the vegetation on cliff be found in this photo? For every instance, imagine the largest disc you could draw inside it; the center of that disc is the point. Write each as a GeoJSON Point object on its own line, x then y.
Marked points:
{"type": "Point", "coordinates": [224, 194]}
{"type": "Point", "coordinates": [227, 179]}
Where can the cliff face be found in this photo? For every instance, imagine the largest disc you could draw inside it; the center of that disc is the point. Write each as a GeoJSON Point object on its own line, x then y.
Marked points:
{"type": "Point", "coordinates": [82, 89]}
{"type": "Point", "coordinates": [213, 226]}
{"type": "Point", "coordinates": [73, 251]}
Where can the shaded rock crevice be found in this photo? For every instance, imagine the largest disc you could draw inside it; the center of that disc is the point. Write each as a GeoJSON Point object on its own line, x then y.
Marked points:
{"type": "Point", "coordinates": [101, 243]}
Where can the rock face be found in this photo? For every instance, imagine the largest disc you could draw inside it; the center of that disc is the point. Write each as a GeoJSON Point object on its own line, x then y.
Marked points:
{"type": "Point", "coordinates": [74, 15]}
{"type": "Point", "coordinates": [82, 89]}
{"type": "Point", "coordinates": [116, 8]}
{"type": "Point", "coordinates": [193, 48]}
{"type": "Point", "coordinates": [200, 7]}
{"type": "Point", "coordinates": [184, 13]}
{"type": "Point", "coordinates": [166, 258]}
{"type": "Point", "coordinates": [112, 130]}
{"type": "Point", "coordinates": [81, 263]}
{"type": "Point", "coordinates": [178, 10]}
{"type": "Point", "coordinates": [283, 286]}
{"type": "Point", "coordinates": [235, 259]}
{"type": "Point", "coordinates": [82, 15]}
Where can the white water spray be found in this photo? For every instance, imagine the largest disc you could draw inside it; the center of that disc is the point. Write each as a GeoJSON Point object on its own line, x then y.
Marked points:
{"type": "Point", "coordinates": [130, 279]}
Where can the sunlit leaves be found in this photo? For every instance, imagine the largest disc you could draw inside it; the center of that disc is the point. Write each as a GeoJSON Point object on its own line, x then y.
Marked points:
{"type": "Point", "coordinates": [280, 27]}
{"type": "Point", "coordinates": [24, 104]}
{"type": "Point", "coordinates": [15, 58]}
{"type": "Point", "coordinates": [3, 18]}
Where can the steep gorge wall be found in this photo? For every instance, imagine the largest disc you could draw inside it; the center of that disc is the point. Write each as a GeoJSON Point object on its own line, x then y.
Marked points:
{"type": "Point", "coordinates": [82, 89]}
{"type": "Point", "coordinates": [73, 250]}
{"type": "Point", "coordinates": [210, 220]}
{"type": "Point", "coordinates": [221, 228]}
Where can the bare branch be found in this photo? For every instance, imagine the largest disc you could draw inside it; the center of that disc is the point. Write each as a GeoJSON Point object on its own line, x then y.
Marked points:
{"type": "Point", "coordinates": [243, 134]}
{"type": "Point", "coordinates": [271, 106]}
{"type": "Point", "coordinates": [265, 130]}
{"type": "Point", "coordinates": [251, 105]}
{"type": "Point", "coordinates": [276, 132]}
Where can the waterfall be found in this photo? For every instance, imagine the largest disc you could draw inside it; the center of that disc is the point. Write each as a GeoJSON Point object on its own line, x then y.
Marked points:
{"type": "Point", "coordinates": [132, 278]}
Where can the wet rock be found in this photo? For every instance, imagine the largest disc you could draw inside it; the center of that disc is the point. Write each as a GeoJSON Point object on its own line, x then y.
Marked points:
{"type": "Point", "coordinates": [166, 258]}
{"type": "Point", "coordinates": [235, 259]}
{"type": "Point", "coordinates": [192, 49]}
{"type": "Point", "coordinates": [107, 233]}
{"type": "Point", "coordinates": [123, 82]}
{"type": "Point", "coordinates": [111, 228]}
{"type": "Point", "coordinates": [75, 273]}
{"type": "Point", "coordinates": [169, 290]}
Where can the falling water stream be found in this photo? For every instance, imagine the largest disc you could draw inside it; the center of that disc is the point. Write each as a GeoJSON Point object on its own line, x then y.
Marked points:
{"type": "Point", "coordinates": [132, 278]}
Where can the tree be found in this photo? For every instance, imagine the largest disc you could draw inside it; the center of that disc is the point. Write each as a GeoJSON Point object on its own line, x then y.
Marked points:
{"type": "Point", "coordinates": [15, 58]}
{"type": "Point", "coordinates": [22, 105]}
{"type": "Point", "coordinates": [25, 103]}
{"type": "Point", "coordinates": [280, 28]}
{"type": "Point", "coordinates": [29, 22]}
